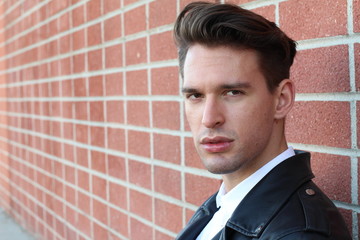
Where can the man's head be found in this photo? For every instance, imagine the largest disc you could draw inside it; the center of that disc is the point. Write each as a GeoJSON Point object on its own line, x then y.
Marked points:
{"type": "Point", "coordinates": [235, 66]}
{"type": "Point", "coordinates": [213, 24]}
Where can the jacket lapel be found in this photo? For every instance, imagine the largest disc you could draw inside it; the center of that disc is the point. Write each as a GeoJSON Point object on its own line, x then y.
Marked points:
{"type": "Point", "coordinates": [260, 205]}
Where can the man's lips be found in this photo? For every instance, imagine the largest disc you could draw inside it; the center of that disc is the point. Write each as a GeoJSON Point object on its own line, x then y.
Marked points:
{"type": "Point", "coordinates": [216, 144]}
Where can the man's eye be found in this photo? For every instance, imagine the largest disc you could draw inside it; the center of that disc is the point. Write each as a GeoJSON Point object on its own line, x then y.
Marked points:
{"type": "Point", "coordinates": [234, 93]}
{"type": "Point", "coordinates": [194, 96]}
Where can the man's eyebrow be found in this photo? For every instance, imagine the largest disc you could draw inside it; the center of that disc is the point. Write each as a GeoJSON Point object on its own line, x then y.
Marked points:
{"type": "Point", "coordinates": [188, 90]}
{"type": "Point", "coordinates": [235, 85]}
{"type": "Point", "coordinates": [222, 86]}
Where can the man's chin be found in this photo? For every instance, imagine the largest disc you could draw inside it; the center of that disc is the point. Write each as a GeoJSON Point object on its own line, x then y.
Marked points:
{"type": "Point", "coordinates": [220, 169]}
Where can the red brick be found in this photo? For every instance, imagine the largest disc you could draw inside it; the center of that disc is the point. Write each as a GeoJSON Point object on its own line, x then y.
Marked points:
{"type": "Point", "coordinates": [82, 157]}
{"type": "Point", "coordinates": [135, 20]}
{"type": "Point", "coordinates": [162, 12]}
{"type": "Point", "coordinates": [113, 56]}
{"type": "Point", "coordinates": [114, 84]}
{"type": "Point", "coordinates": [192, 158]}
{"type": "Point", "coordinates": [140, 204]}
{"type": "Point", "coordinates": [82, 182]}
{"type": "Point", "coordinates": [70, 216]}
{"type": "Point", "coordinates": [112, 28]}
{"type": "Point", "coordinates": [119, 222]}
{"type": "Point", "coordinates": [59, 227]}
{"type": "Point", "coordinates": [111, 5]}
{"type": "Point", "coordinates": [136, 51]}
{"type": "Point", "coordinates": [183, 3]}
{"type": "Point", "coordinates": [199, 188]}
{"type": "Point", "coordinates": [168, 182]}
{"type": "Point", "coordinates": [96, 86]}
{"type": "Point", "coordinates": [44, 90]}
{"type": "Point", "coordinates": [55, 90]}
{"type": "Point", "coordinates": [57, 5]}
{"type": "Point", "coordinates": [126, 2]}
{"type": "Point", "coordinates": [64, 22]}
{"type": "Point", "coordinates": [160, 48]}
{"type": "Point", "coordinates": [268, 12]}
{"type": "Point", "coordinates": [84, 224]}
{"type": "Point", "coordinates": [81, 111]}
{"type": "Point", "coordinates": [139, 143]}
{"type": "Point", "coordinates": [116, 139]}
{"type": "Point", "coordinates": [81, 133]}
{"type": "Point", "coordinates": [140, 174]}
{"type": "Point", "coordinates": [97, 136]}
{"type": "Point", "coordinates": [139, 230]}
{"type": "Point", "coordinates": [320, 123]}
{"type": "Point", "coordinates": [357, 65]}
{"type": "Point", "coordinates": [64, 44]}
{"type": "Point", "coordinates": [322, 70]}
{"type": "Point", "coordinates": [99, 186]}
{"type": "Point", "coordinates": [98, 161]}
{"type": "Point", "coordinates": [93, 9]}
{"type": "Point", "coordinates": [78, 39]}
{"type": "Point", "coordinates": [70, 233]}
{"type": "Point", "coordinates": [332, 174]}
{"type": "Point", "coordinates": [137, 83]}
{"type": "Point", "coordinates": [78, 16]}
{"type": "Point", "coordinates": [99, 211]}
{"type": "Point", "coordinates": [95, 60]}
{"type": "Point", "coordinates": [322, 19]}
{"type": "Point", "coordinates": [94, 35]}
{"type": "Point", "coordinates": [69, 152]}
{"type": "Point", "coordinates": [78, 63]}
{"type": "Point", "coordinates": [116, 167]}
{"type": "Point", "coordinates": [162, 236]}
{"type": "Point", "coordinates": [115, 111]}
{"type": "Point", "coordinates": [358, 123]}
{"type": "Point", "coordinates": [168, 216]}
{"type": "Point", "coordinates": [118, 195]}
{"type": "Point", "coordinates": [67, 108]}
{"type": "Point", "coordinates": [54, 68]}
{"type": "Point", "coordinates": [138, 113]}
{"type": "Point", "coordinates": [165, 81]}
{"type": "Point", "coordinates": [356, 8]}
{"type": "Point", "coordinates": [166, 115]}
{"type": "Point", "coordinates": [53, 28]}
{"type": "Point", "coordinates": [65, 66]}
{"type": "Point", "coordinates": [167, 148]}
{"type": "Point", "coordinates": [70, 175]}
{"type": "Point", "coordinates": [97, 111]}
{"type": "Point", "coordinates": [79, 87]}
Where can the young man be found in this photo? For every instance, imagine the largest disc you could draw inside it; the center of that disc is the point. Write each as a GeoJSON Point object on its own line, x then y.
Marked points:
{"type": "Point", "coordinates": [235, 65]}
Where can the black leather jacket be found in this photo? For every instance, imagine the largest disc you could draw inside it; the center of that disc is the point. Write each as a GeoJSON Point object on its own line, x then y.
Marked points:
{"type": "Point", "coordinates": [284, 205]}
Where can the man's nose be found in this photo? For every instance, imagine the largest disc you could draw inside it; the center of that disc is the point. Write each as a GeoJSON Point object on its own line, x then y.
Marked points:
{"type": "Point", "coordinates": [213, 114]}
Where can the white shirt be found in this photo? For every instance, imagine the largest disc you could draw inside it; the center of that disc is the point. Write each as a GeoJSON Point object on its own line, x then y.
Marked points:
{"type": "Point", "coordinates": [229, 201]}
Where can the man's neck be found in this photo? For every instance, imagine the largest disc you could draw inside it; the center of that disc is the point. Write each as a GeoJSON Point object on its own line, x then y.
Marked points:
{"type": "Point", "coordinates": [233, 179]}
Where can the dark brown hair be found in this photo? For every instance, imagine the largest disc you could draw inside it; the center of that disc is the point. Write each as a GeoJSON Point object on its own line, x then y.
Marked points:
{"type": "Point", "coordinates": [215, 24]}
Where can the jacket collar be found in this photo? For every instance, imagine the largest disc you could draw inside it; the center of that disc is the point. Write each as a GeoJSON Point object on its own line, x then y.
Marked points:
{"type": "Point", "coordinates": [259, 206]}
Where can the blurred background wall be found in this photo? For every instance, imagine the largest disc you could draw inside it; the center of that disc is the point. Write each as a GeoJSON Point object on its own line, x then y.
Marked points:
{"type": "Point", "coordinates": [93, 139]}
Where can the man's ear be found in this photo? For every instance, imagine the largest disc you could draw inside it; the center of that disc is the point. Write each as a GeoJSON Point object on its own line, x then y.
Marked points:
{"type": "Point", "coordinates": [286, 97]}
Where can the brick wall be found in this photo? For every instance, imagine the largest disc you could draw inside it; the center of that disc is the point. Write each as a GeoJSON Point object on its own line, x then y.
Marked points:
{"type": "Point", "coordinates": [93, 138]}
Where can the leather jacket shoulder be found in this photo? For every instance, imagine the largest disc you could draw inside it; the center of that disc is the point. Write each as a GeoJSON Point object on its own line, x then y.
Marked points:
{"type": "Point", "coordinates": [284, 205]}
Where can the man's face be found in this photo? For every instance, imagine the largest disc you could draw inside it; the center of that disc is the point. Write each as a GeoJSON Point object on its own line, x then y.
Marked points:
{"type": "Point", "coordinates": [228, 106]}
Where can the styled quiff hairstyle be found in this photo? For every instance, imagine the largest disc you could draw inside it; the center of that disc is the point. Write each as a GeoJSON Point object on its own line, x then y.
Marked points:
{"type": "Point", "coordinates": [215, 24]}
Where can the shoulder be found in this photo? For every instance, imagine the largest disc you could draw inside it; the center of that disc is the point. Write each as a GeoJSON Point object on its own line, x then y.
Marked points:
{"type": "Point", "coordinates": [310, 214]}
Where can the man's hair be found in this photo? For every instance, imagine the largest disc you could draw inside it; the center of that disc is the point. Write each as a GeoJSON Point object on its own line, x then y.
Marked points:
{"type": "Point", "coordinates": [215, 24]}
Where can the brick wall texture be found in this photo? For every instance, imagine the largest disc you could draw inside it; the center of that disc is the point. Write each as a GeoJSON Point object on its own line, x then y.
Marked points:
{"type": "Point", "coordinates": [94, 143]}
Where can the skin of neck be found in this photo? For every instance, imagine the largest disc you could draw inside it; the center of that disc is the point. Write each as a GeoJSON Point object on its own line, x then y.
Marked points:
{"type": "Point", "coordinates": [276, 146]}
